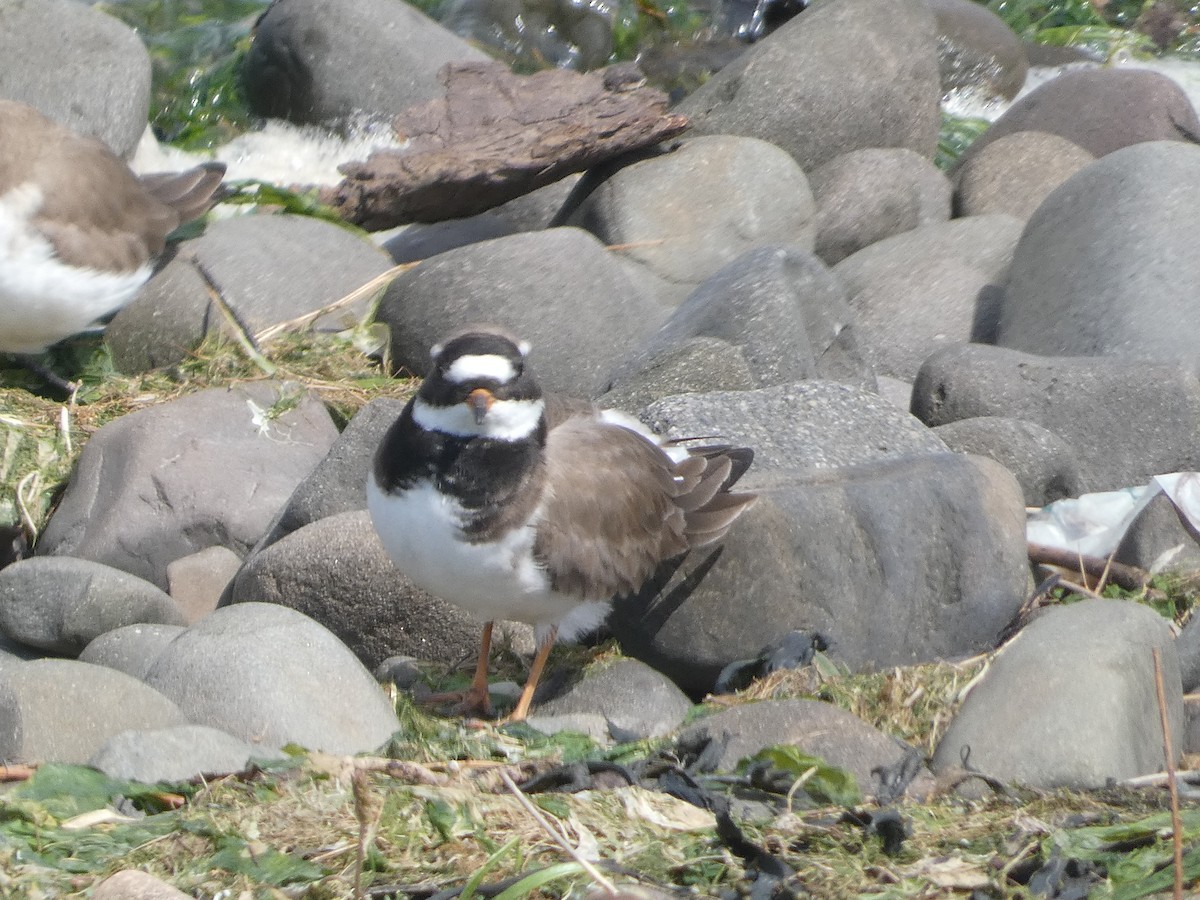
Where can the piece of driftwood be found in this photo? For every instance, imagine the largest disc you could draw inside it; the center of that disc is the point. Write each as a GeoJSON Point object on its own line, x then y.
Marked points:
{"type": "Point", "coordinates": [496, 136]}
{"type": "Point", "coordinates": [1129, 577]}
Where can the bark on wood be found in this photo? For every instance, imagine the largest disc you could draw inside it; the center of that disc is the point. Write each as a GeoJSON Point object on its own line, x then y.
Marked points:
{"type": "Point", "coordinates": [1129, 577]}
{"type": "Point", "coordinates": [496, 136]}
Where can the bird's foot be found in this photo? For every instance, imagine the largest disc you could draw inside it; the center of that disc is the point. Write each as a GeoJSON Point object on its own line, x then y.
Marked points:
{"type": "Point", "coordinates": [471, 703]}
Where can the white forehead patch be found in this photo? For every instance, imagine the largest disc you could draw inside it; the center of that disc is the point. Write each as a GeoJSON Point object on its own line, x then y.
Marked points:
{"type": "Point", "coordinates": [479, 366]}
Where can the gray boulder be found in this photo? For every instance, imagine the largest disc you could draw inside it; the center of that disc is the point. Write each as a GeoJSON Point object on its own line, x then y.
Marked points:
{"type": "Point", "coordinates": [267, 269]}
{"type": "Point", "coordinates": [806, 425]}
{"type": "Point", "coordinates": [172, 754]}
{"type": "Point", "coordinates": [719, 742]}
{"type": "Point", "coordinates": [1014, 174]}
{"type": "Point", "coordinates": [322, 61]}
{"type": "Point", "coordinates": [209, 469]}
{"type": "Point", "coordinates": [1071, 702]}
{"type": "Point", "coordinates": [1126, 421]}
{"type": "Point", "coordinates": [60, 604]}
{"type": "Point", "coordinates": [197, 581]}
{"type": "Point", "coordinates": [1100, 110]}
{"type": "Point", "coordinates": [282, 679]}
{"type": "Point", "coordinates": [558, 289]}
{"type": "Point", "coordinates": [867, 195]}
{"type": "Point", "coordinates": [775, 314]}
{"type": "Point", "coordinates": [82, 68]}
{"type": "Point", "coordinates": [1044, 464]}
{"type": "Point", "coordinates": [60, 710]}
{"type": "Point", "coordinates": [131, 649]}
{"type": "Point", "coordinates": [893, 563]}
{"type": "Point", "coordinates": [841, 76]}
{"type": "Point", "coordinates": [626, 701]}
{"type": "Point", "coordinates": [1107, 266]}
{"type": "Point", "coordinates": [683, 215]}
{"type": "Point", "coordinates": [337, 573]}
{"type": "Point", "coordinates": [1158, 540]}
{"type": "Point", "coordinates": [978, 53]}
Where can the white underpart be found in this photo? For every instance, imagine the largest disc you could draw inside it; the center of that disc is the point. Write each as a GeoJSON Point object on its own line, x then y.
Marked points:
{"type": "Point", "coordinates": [476, 367]}
{"type": "Point", "coordinates": [506, 420]}
{"type": "Point", "coordinates": [421, 529]}
{"type": "Point", "coordinates": [43, 300]}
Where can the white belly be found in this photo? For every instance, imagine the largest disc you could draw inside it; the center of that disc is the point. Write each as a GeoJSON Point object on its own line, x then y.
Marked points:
{"type": "Point", "coordinates": [421, 531]}
{"type": "Point", "coordinates": [42, 300]}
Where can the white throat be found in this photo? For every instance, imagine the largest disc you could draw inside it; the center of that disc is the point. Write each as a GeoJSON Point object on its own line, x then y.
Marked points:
{"type": "Point", "coordinates": [506, 420]}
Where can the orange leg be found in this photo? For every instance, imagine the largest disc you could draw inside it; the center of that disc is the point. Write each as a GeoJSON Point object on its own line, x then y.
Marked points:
{"type": "Point", "coordinates": [521, 712]}
{"type": "Point", "coordinates": [475, 700]}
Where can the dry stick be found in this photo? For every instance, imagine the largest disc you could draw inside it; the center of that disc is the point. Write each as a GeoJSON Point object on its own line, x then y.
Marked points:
{"type": "Point", "coordinates": [557, 836]}
{"type": "Point", "coordinates": [1129, 577]}
{"type": "Point", "coordinates": [1172, 787]}
{"type": "Point", "coordinates": [240, 333]}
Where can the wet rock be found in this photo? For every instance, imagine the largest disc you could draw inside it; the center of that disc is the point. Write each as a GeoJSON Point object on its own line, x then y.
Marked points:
{"type": "Point", "coordinates": [131, 649]}
{"type": "Point", "coordinates": [683, 215]}
{"type": "Point", "coordinates": [538, 33]}
{"type": "Point", "coordinates": [268, 269]}
{"type": "Point", "coordinates": [717, 743]}
{"type": "Point", "coordinates": [283, 679]}
{"type": "Point", "coordinates": [558, 289]}
{"type": "Point", "coordinates": [773, 316]}
{"type": "Point", "coordinates": [867, 195]}
{"type": "Point", "coordinates": [1014, 174]}
{"type": "Point", "coordinates": [337, 573]}
{"type": "Point", "coordinates": [895, 562]}
{"type": "Point", "coordinates": [806, 425]}
{"type": "Point", "coordinates": [1100, 110]}
{"type": "Point", "coordinates": [172, 754]}
{"type": "Point", "coordinates": [842, 76]}
{"type": "Point", "coordinates": [1044, 464]}
{"type": "Point", "coordinates": [1071, 702]}
{"type": "Point", "coordinates": [154, 485]}
{"type": "Point", "coordinates": [60, 604]}
{"type": "Point", "coordinates": [628, 699]}
{"type": "Point", "coordinates": [82, 68]}
{"type": "Point", "coordinates": [977, 52]}
{"type": "Point", "coordinates": [60, 710]}
{"type": "Point", "coordinates": [1126, 421]}
{"type": "Point", "coordinates": [297, 68]}
{"type": "Point", "coordinates": [1081, 287]}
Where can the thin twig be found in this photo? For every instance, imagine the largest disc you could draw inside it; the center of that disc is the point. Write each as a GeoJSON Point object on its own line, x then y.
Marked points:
{"type": "Point", "coordinates": [240, 333]}
{"type": "Point", "coordinates": [1176, 824]}
{"type": "Point", "coordinates": [557, 836]}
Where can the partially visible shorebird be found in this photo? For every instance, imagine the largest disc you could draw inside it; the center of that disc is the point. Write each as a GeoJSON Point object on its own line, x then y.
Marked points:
{"type": "Point", "coordinates": [518, 506]}
{"type": "Point", "coordinates": [79, 231]}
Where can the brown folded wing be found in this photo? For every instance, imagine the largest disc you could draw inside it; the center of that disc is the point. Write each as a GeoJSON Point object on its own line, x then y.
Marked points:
{"type": "Point", "coordinates": [617, 507]}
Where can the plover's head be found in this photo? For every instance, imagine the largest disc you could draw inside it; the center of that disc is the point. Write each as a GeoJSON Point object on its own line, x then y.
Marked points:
{"type": "Point", "coordinates": [479, 386]}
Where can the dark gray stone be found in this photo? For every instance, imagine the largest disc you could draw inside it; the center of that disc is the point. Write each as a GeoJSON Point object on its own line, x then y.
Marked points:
{"type": "Point", "coordinates": [867, 195]}
{"type": "Point", "coordinates": [1046, 466]}
{"type": "Point", "coordinates": [631, 701]}
{"type": "Point", "coordinates": [320, 61]}
{"type": "Point", "coordinates": [172, 754]}
{"type": "Point", "coordinates": [60, 604]}
{"type": "Point", "coordinates": [1071, 702]}
{"type": "Point", "coordinates": [131, 649]}
{"type": "Point", "coordinates": [558, 289]}
{"type": "Point", "coordinates": [978, 54]}
{"type": "Point", "coordinates": [1107, 265]}
{"type": "Point", "coordinates": [1187, 647]}
{"type": "Point", "coordinates": [1013, 175]}
{"type": "Point", "coordinates": [1158, 540]}
{"type": "Point", "coordinates": [1127, 421]}
{"type": "Point", "coordinates": [893, 563]}
{"type": "Point", "coordinates": [418, 242]}
{"type": "Point", "coordinates": [719, 742]}
{"type": "Point", "coordinates": [282, 679]}
{"type": "Point", "coordinates": [683, 215]}
{"type": "Point", "coordinates": [841, 76]}
{"type": "Point", "coordinates": [773, 316]}
{"type": "Point", "coordinates": [807, 425]}
{"type": "Point", "coordinates": [82, 68]}
{"type": "Point", "coordinates": [1100, 109]}
{"type": "Point", "coordinates": [337, 573]}
{"type": "Point", "coordinates": [268, 269]}
{"type": "Point", "coordinates": [60, 710]}
{"type": "Point", "coordinates": [210, 469]}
